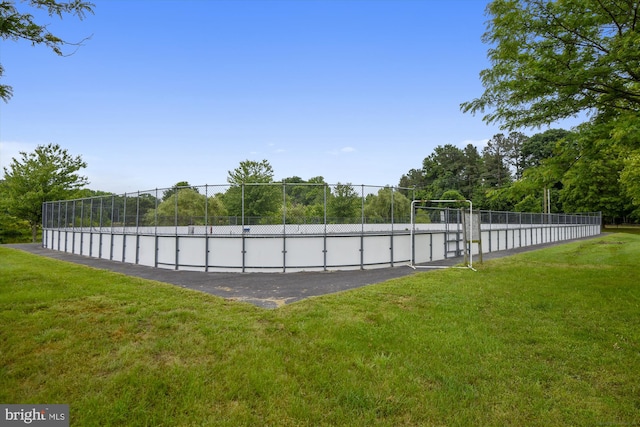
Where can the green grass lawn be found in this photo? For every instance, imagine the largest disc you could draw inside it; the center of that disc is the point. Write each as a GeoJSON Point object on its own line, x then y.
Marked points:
{"type": "Point", "coordinates": [548, 338]}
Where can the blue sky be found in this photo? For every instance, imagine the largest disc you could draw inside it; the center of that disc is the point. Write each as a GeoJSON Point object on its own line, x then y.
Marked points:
{"type": "Point", "coordinates": [356, 91]}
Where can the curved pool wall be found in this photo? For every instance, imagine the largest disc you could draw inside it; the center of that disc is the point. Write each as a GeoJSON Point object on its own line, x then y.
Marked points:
{"type": "Point", "coordinates": [301, 247]}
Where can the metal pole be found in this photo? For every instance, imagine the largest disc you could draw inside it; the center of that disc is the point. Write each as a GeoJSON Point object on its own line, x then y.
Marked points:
{"type": "Point", "coordinates": [362, 228]}
{"type": "Point", "coordinates": [175, 220]}
{"type": "Point", "coordinates": [91, 228]}
{"type": "Point", "coordinates": [392, 219]}
{"type": "Point", "coordinates": [43, 224]}
{"type": "Point", "coordinates": [155, 230]}
{"type": "Point", "coordinates": [206, 228]}
{"type": "Point", "coordinates": [124, 229]}
{"type": "Point", "coordinates": [138, 229]}
{"type": "Point", "coordinates": [324, 248]}
{"type": "Point", "coordinates": [73, 228]}
{"type": "Point", "coordinates": [59, 222]}
{"type": "Point", "coordinates": [100, 229]}
{"type": "Point", "coordinates": [284, 226]}
{"type": "Point", "coordinates": [113, 210]}
{"type": "Point", "coordinates": [244, 251]}
{"type": "Point", "coordinates": [412, 249]}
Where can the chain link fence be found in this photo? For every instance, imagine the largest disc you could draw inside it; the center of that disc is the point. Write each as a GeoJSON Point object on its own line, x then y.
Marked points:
{"type": "Point", "coordinates": [271, 209]}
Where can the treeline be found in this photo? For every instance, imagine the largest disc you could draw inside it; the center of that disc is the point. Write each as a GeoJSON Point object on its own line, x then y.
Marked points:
{"type": "Point", "coordinates": [553, 171]}
{"type": "Point", "coordinates": [251, 196]}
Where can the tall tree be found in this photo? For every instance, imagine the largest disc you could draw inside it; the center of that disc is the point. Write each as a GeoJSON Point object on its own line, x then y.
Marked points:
{"type": "Point", "coordinates": [552, 60]}
{"type": "Point", "coordinates": [344, 204]}
{"type": "Point", "coordinates": [249, 181]}
{"type": "Point", "coordinates": [541, 146]}
{"type": "Point", "coordinates": [495, 157]}
{"type": "Point", "coordinates": [471, 172]}
{"type": "Point", "coordinates": [413, 178]}
{"type": "Point", "coordinates": [630, 180]}
{"type": "Point", "coordinates": [17, 25]}
{"type": "Point", "coordinates": [185, 206]}
{"type": "Point", "coordinates": [514, 155]}
{"type": "Point", "coordinates": [592, 184]}
{"type": "Point", "coordinates": [591, 167]}
{"type": "Point", "coordinates": [303, 192]}
{"type": "Point", "coordinates": [443, 169]}
{"type": "Point", "coordinates": [48, 173]}
{"type": "Point", "coordinates": [378, 207]}
{"type": "Point", "coordinates": [166, 194]}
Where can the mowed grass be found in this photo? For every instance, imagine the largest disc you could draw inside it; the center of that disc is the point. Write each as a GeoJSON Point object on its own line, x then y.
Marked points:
{"type": "Point", "coordinates": [550, 337]}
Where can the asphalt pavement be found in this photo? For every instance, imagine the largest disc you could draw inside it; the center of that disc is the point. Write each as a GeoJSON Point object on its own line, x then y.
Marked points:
{"type": "Point", "coordinates": [267, 290]}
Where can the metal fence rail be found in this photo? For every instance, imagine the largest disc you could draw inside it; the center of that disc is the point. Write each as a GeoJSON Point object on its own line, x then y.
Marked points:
{"type": "Point", "coordinates": [276, 208]}
{"type": "Point", "coordinates": [286, 227]}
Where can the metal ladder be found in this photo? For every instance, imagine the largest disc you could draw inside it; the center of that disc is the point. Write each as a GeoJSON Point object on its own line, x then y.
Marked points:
{"type": "Point", "coordinates": [453, 236]}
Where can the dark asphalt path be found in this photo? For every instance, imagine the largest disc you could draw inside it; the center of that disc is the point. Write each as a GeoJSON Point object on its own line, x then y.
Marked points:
{"type": "Point", "coordinates": [267, 290]}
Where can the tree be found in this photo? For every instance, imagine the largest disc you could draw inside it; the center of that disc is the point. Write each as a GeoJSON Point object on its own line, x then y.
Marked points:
{"type": "Point", "coordinates": [593, 185]}
{"type": "Point", "coordinates": [555, 59]}
{"type": "Point", "coordinates": [378, 207]}
{"type": "Point", "coordinates": [303, 192]}
{"type": "Point", "coordinates": [630, 180]}
{"type": "Point", "coordinates": [591, 167]}
{"type": "Point", "coordinates": [47, 174]}
{"type": "Point", "coordinates": [443, 169]}
{"type": "Point", "coordinates": [514, 155]}
{"type": "Point", "coordinates": [16, 25]}
{"type": "Point", "coordinates": [304, 199]}
{"type": "Point", "coordinates": [413, 178]}
{"type": "Point", "coordinates": [344, 204]}
{"type": "Point", "coordinates": [185, 206]}
{"type": "Point", "coordinates": [471, 172]}
{"type": "Point", "coordinates": [178, 186]}
{"type": "Point", "coordinates": [250, 171]}
{"type": "Point", "coordinates": [253, 181]}
{"type": "Point", "coordinates": [495, 157]}
{"type": "Point", "coordinates": [540, 147]}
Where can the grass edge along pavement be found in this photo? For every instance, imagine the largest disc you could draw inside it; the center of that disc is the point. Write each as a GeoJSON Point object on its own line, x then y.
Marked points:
{"type": "Point", "coordinates": [548, 337]}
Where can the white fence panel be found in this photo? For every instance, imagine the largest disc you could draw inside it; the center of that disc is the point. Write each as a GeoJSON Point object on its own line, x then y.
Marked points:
{"type": "Point", "coordinates": [305, 253]}
{"type": "Point", "coordinates": [377, 251]}
{"type": "Point", "coordinates": [225, 253]}
{"type": "Point", "coordinates": [343, 251]}
{"type": "Point", "coordinates": [147, 251]}
{"type": "Point", "coordinates": [167, 252]}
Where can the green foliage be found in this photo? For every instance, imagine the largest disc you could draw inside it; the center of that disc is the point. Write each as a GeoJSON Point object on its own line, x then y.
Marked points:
{"type": "Point", "coordinates": [592, 182]}
{"type": "Point", "coordinates": [443, 169]}
{"type": "Point", "coordinates": [13, 230]}
{"type": "Point", "coordinates": [496, 155]}
{"type": "Point", "coordinates": [259, 200]}
{"type": "Point", "coordinates": [344, 204]}
{"type": "Point", "coordinates": [377, 207]}
{"type": "Point", "coordinates": [422, 217]}
{"type": "Point", "coordinates": [186, 206]}
{"type": "Point", "coordinates": [305, 200]}
{"type": "Point", "coordinates": [630, 180]}
{"type": "Point", "coordinates": [178, 186]}
{"type": "Point", "coordinates": [17, 25]}
{"type": "Point", "coordinates": [453, 195]}
{"type": "Point", "coordinates": [552, 60]}
{"type": "Point", "coordinates": [413, 178]}
{"type": "Point", "coordinates": [541, 146]}
{"type": "Point", "coordinates": [49, 173]}
{"type": "Point", "coordinates": [250, 171]}
{"type": "Point", "coordinates": [307, 193]}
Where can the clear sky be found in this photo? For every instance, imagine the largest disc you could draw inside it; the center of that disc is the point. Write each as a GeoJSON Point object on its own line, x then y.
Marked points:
{"type": "Point", "coordinates": [355, 91]}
